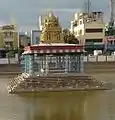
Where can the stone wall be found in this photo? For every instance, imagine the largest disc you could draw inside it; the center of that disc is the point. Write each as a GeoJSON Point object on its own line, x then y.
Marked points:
{"type": "Point", "coordinates": [89, 67]}
{"type": "Point", "coordinates": [99, 67]}
{"type": "Point", "coordinates": [100, 58]}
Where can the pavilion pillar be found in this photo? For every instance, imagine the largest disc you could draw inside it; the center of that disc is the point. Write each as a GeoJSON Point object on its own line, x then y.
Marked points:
{"type": "Point", "coordinates": [73, 63]}
{"type": "Point", "coordinates": [69, 63]}
{"type": "Point", "coordinates": [66, 64]}
{"type": "Point", "coordinates": [57, 65]}
{"type": "Point", "coordinates": [69, 66]}
{"type": "Point", "coordinates": [81, 63]}
{"type": "Point", "coordinates": [23, 63]}
{"type": "Point", "coordinates": [46, 65]}
{"type": "Point", "coordinates": [31, 63]}
{"type": "Point", "coordinates": [78, 62]}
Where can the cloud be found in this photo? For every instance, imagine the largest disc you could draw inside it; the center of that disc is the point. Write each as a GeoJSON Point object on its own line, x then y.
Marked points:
{"type": "Point", "coordinates": [26, 11]}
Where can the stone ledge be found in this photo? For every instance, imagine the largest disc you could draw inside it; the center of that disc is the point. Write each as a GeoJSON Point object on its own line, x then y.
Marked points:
{"type": "Point", "coordinates": [56, 83]}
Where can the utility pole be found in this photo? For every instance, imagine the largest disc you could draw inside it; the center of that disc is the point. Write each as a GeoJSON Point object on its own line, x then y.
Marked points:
{"type": "Point", "coordinates": [112, 10]}
{"type": "Point", "coordinates": [88, 6]}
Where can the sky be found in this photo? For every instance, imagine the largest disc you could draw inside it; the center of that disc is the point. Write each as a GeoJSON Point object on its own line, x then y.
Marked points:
{"type": "Point", "coordinates": [25, 12]}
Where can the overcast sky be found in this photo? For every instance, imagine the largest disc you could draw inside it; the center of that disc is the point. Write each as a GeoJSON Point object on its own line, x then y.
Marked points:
{"type": "Point", "coordinates": [25, 12]}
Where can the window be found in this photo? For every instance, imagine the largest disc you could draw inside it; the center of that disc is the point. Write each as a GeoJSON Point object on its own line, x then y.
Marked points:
{"type": "Point", "coordinates": [75, 33]}
{"type": "Point", "coordinates": [9, 44]}
{"type": "Point", "coordinates": [111, 42]}
{"type": "Point", "coordinates": [114, 42]}
{"type": "Point", "coordinates": [80, 32]}
{"type": "Point", "coordinates": [93, 30]}
{"type": "Point", "coordinates": [93, 40]}
{"type": "Point", "coordinates": [37, 40]}
{"type": "Point", "coordinates": [11, 34]}
{"type": "Point", "coordinates": [8, 34]}
{"type": "Point", "coordinates": [80, 22]}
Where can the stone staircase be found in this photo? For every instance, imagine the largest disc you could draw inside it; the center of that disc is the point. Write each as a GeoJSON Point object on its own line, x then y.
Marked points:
{"type": "Point", "coordinates": [17, 81]}
{"type": "Point", "coordinates": [53, 82]}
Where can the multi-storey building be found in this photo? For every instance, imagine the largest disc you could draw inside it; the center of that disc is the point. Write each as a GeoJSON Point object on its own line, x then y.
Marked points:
{"type": "Point", "coordinates": [24, 39]}
{"type": "Point", "coordinates": [89, 28]}
{"type": "Point", "coordinates": [8, 37]}
{"type": "Point", "coordinates": [110, 37]}
{"type": "Point", "coordinates": [35, 37]}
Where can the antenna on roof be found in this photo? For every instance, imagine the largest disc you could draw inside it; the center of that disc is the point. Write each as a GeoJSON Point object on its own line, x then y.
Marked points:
{"type": "Point", "coordinates": [87, 6]}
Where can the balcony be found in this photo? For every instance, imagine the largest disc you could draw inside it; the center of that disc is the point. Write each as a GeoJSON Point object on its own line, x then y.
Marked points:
{"type": "Point", "coordinates": [8, 39]}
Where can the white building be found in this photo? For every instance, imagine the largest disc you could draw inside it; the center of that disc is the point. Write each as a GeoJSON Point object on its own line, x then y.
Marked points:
{"type": "Point", "coordinates": [88, 28]}
{"type": "Point", "coordinates": [35, 37]}
{"type": "Point", "coordinates": [24, 38]}
{"type": "Point", "coordinates": [40, 23]}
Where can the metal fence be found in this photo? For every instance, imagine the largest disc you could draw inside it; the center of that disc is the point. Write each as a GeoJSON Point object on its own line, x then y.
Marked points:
{"type": "Point", "coordinates": [8, 61]}
{"type": "Point", "coordinates": [100, 58]}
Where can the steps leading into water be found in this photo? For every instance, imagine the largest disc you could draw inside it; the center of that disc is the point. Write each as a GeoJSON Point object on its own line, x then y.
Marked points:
{"type": "Point", "coordinates": [54, 82]}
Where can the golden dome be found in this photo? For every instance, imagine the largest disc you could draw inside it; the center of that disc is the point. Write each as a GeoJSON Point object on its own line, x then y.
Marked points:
{"type": "Point", "coordinates": [50, 17]}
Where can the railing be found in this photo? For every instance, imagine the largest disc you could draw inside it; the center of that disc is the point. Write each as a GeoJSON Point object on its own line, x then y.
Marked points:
{"type": "Point", "coordinates": [8, 61]}
{"type": "Point", "coordinates": [99, 58]}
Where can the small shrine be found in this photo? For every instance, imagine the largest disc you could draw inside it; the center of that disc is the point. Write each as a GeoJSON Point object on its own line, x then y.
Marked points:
{"type": "Point", "coordinates": [51, 58]}
{"type": "Point", "coordinates": [53, 68]}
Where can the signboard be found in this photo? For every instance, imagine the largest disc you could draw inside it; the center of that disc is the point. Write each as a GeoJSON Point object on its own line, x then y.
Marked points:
{"type": "Point", "coordinates": [110, 38]}
{"type": "Point", "coordinates": [35, 37]}
{"type": "Point", "coordinates": [95, 46]}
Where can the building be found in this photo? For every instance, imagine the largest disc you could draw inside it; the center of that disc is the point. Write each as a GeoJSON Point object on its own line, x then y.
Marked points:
{"type": "Point", "coordinates": [110, 37]}
{"type": "Point", "coordinates": [49, 58]}
{"type": "Point", "coordinates": [35, 37]}
{"type": "Point", "coordinates": [8, 37]}
{"type": "Point", "coordinates": [40, 21]}
{"type": "Point", "coordinates": [89, 28]}
{"type": "Point", "coordinates": [110, 29]}
{"type": "Point", "coordinates": [24, 39]}
{"type": "Point", "coordinates": [51, 30]}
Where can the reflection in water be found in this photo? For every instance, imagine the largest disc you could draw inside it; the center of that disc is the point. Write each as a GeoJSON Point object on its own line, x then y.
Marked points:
{"type": "Point", "coordinates": [61, 106]}
{"type": "Point", "coordinates": [57, 108]}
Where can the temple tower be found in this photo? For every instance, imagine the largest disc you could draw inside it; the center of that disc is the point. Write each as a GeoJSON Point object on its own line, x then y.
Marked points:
{"type": "Point", "coordinates": [51, 31]}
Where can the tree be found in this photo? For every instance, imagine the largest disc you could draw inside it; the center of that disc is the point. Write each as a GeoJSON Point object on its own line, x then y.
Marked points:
{"type": "Point", "coordinates": [69, 37]}
{"type": "Point", "coordinates": [72, 39]}
{"type": "Point", "coordinates": [66, 32]}
{"type": "Point", "coordinates": [20, 50]}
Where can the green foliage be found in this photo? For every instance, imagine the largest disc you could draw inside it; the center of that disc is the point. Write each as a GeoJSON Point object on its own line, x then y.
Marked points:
{"type": "Point", "coordinates": [69, 38]}
{"type": "Point", "coordinates": [11, 52]}
{"type": "Point", "coordinates": [20, 50]}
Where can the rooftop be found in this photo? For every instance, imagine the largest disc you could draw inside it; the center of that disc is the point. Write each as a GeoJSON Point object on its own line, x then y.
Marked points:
{"type": "Point", "coordinates": [57, 44]}
{"type": "Point", "coordinates": [54, 48]}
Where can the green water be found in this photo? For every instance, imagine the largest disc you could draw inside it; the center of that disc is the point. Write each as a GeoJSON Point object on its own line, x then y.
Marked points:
{"type": "Point", "coordinates": [58, 106]}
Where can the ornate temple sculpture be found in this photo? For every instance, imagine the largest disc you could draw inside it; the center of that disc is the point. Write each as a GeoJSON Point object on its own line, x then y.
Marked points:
{"type": "Point", "coordinates": [51, 32]}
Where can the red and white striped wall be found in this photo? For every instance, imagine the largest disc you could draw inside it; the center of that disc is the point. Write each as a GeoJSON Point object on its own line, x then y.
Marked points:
{"type": "Point", "coordinates": [52, 48]}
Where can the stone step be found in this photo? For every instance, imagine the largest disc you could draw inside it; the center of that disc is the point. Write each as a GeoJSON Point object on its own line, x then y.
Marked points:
{"type": "Point", "coordinates": [36, 82]}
